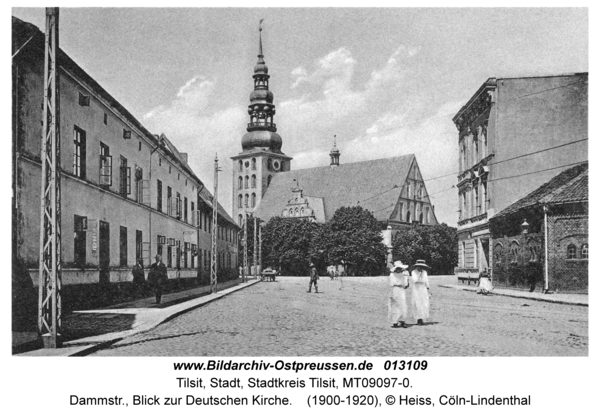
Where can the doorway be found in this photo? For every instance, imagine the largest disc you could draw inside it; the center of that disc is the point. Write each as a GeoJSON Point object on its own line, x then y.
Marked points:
{"type": "Point", "coordinates": [104, 252]}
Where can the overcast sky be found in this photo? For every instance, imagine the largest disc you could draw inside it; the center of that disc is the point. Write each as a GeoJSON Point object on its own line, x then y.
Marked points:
{"type": "Point", "coordinates": [385, 81]}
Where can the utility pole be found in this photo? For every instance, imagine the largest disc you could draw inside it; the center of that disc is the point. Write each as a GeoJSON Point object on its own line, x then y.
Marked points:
{"type": "Point", "coordinates": [245, 246]}
{"type": "Point", "coordinates": [49, 301]}
{"type": "Point", "coordinates": [254, 251]}
{"type": "Point", "coordinates": [213, 255]}
{"type": "Point", "coordinates": [260, 245]}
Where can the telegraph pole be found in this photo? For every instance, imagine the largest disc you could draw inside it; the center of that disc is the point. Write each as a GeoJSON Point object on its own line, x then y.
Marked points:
{"type": "Point", "coordinates": [49, 300]}
{"type": "Point", "coordinates": [254, 251]}
{"type": "Point", "coordinates": [245, 246]}
{"type": "Point", "coordinates": [213, 255]}
{"type": "Point", "coordinates": [260, 245]}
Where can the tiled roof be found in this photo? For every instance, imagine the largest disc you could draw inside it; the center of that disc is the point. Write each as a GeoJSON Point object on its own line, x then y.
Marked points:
{"type": "Point", "coordinates": [570, 185]}
{"type": "Point", "coordinates": [373, 184]}
{"type": "Point", "coordinates": [207, 198]}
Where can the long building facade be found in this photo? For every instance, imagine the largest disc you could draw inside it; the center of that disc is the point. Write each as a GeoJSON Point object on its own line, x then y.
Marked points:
{"type": "Point", "coordinates": [126, 193]}
{"type": "Point", "coordinates": [514, 134]}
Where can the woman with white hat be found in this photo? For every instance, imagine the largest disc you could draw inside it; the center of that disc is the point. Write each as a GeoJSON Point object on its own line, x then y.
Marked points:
{"type": "Point", "coordinates": [397, 307]}
{"type": "Point", "coordinates": [420, 291]}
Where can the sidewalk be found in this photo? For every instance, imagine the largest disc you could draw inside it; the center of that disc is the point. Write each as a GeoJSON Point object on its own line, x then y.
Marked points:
{"type": "Point", "coordinates": [90, 330]}
{"type": "Point", "coordinates": [564, 298]}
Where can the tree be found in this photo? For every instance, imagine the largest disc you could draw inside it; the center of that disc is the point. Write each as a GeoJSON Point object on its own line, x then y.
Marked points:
{"type": "Point", "coordinates": [436, 244]}
{"type": "Point", "coordinates": [352, 236]}
{"type": "Point", "coordinates": [286, 244]}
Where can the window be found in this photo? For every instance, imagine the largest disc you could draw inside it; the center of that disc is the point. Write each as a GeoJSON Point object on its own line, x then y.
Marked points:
{"type": "Point", "coordinates": [253, 200]}
{"type": "Point", "coordinates": [123, 246]}
{"type": "Point", "coordinates": [138, 245]}
{"type": "Point", "coordinates": [139, 174]}
{"type": "Point", "coordinates": [169, 201]}
{"type": "Point", "coordinates": [126, 134]}
{"type": "Point", "coordinates": [79, 242]}
{"type": "Point", "coordinates": [178, 206]}
{"type": "Point", "coordinates": [571, 251]}
{"type": "Point", "coordinates": [169, 256]}
{"type": "Point", "coordinates": [105, 165]}
{"type": "Point", "coordinates": [105, 118]}
{"type": "Point", "coordinates": [169, 170]}
{"type": "Point", "coordinates": [408, 216]}
{"type": "Point", "coordinates": [139, 146]}
{"type": "Point", "coordinates": [253, 164]}
{"type": "Point", "coordinates": [584, 251]}
{"type": "Point", "coordinates": [246, 182]}
{"type": "Point", "coordinates": [79, 152]}
{"type": "Point", "coordinates": [206, 257]}
{"type": "Point", "coordinates": [240, 218]}
{"type": "Point", "coordinates": [124, 178]}
{"type": "Point", "coordinates": [254, 181]}
{"type": "Point", "coordinates": [246, 201]}
{"type": "Point", "coordinates": [159, 195]}
{"type": "Point", "coordinates": [240, 201]}
{"type": "Point", "coordinates": [192, 212]}
{"type": "Point", "coordinates": [84, 100]}
{"type": "Point", "coordinates": [185, 209]}
{"type": "Point", "coordinates": [514, 252]}
{"type": "Point", "coordinates": [240, 182]}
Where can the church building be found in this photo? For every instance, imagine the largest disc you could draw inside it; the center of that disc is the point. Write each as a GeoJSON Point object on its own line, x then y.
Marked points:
{"type": "Point", "coordinates": [264, 185]}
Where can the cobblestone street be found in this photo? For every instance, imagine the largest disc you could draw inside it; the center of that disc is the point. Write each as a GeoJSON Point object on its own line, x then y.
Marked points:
{"type": "Point", "coordinates": [281, 319]}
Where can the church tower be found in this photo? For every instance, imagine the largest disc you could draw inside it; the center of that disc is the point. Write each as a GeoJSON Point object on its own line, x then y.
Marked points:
{"type": "Point", "coordinates": [261, 157]}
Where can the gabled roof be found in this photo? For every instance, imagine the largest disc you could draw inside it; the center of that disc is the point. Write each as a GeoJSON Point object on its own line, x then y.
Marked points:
{"type": "Point", "coordinates": [569, 186]}
{"type": "Point", "coordinates": [374, 184]}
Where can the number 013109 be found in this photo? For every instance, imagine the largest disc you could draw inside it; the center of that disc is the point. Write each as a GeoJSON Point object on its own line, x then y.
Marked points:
{"type": "Point", "coordinates": [405, 365]}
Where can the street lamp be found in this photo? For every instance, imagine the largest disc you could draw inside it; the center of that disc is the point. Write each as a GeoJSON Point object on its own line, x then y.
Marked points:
{"type": "Point", "coordinates": [524, 227]}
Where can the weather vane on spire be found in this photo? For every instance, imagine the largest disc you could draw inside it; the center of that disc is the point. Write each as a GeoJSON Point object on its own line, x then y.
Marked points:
{"type": "Point", "coordinates": [260, 25]}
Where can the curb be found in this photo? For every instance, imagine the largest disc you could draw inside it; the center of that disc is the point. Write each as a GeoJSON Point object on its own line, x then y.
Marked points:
{"type": "Point", "coordinates": [563, 302]}
{"type": "Point", "coordinates": [78, 348]}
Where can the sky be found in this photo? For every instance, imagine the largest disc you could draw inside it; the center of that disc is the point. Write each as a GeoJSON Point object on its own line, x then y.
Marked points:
{"type": "Point", "coordinates": [386, 82]}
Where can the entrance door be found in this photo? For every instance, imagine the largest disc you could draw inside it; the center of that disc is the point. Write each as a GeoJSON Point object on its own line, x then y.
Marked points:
{"type": "Point", "coordinates": [485, 248]}
{"type": "Point", "coordinates": [104, 252]}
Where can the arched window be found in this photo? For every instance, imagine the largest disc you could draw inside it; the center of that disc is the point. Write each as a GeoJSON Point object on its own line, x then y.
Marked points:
{"type": "Point", "coordinates": [246, 182]}
{"type": "Point", "coordinates": [291, 212]}
{"type": "Point", "coordinates": [240, 217]}
{"type": "Point", "coordinates": [571, 251]}
{"type": "Point", "coordinates": [421, 218]}
{"type": "Point", "coordinates": [239, 201]}
{"type": "Point", "coordinates": [302, 212]}
{"type": "Point", "coordinates": [246, 201]}
{"type": "Point", "coordinates": [253, 200]}
{"type": "Point", "coordinates": [253, 164]}
{"type": "Point", "coordinates": [296, 212]}
{"type": "Point", "coordinates": [240, 165]}
{"type": "Point", "coordinates": [514, 252]}
{"type": "Point", "coordinates": [269, 180]}
{"type": "Point", "coordinates": [584, 251]}
{"type": "Point", "coordinates": [254, 181]}
{"type": "Point", "coordinates": [240, 180]}
{"type": "Point", "coordinates": [408, 216]}
{"type": "Point", "coordinates": [409, 191]}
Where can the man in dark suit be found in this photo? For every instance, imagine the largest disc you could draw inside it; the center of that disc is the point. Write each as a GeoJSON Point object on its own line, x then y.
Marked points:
{"type": "Point", "coordinates": [157, 277]}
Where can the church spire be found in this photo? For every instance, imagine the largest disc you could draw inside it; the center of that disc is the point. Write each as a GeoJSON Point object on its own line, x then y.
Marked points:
{"type": "Point", "coordinates": [261, 129]}
{"type": "Point", "coordinates": [334, 154]}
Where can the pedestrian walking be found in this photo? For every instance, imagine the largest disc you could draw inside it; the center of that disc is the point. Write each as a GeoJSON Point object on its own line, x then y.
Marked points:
{"type": "Point", "coordinates": [139, 277]}
{"type": "Point", "coordinates": [420, 291]}
{"type": "Point", "coordinates": [397, 307]}
{"type": "Point", "coordinates": [314, 276]}
{"type": "Point", "coordinates": [157, 277]}
{"type": "Point", "coordinates": [485, 283]}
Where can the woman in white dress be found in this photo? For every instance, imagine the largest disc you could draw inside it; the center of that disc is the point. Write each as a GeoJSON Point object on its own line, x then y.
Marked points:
{"type": "Point", "coordinates": [397, 307]}
{"type": "Point", "coordinates": [485, 283]}
{"type": "Point", "coordinates": [420, 291]}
